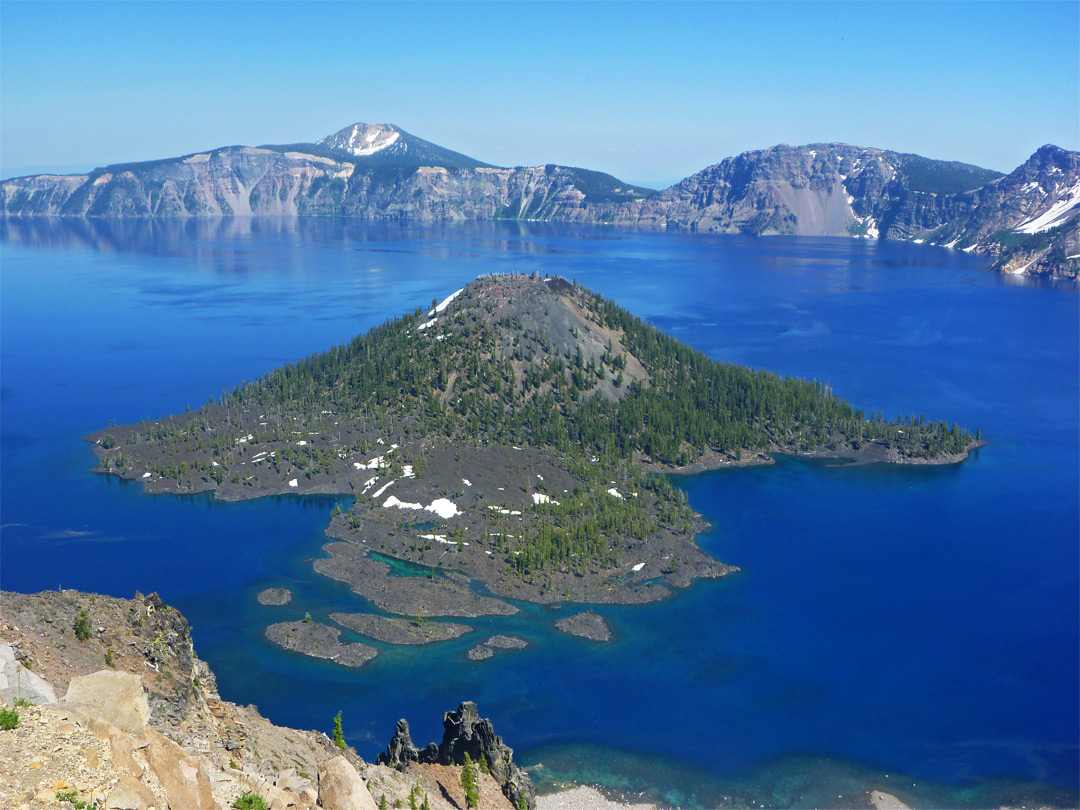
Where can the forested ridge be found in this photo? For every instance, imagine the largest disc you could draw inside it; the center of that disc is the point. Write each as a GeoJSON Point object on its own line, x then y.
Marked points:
{"type": "Point", "coordinates": [487, 380]}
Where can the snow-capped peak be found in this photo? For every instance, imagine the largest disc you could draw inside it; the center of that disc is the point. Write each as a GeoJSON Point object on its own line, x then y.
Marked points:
{"type": "Point", "coordinates": [363, 139]}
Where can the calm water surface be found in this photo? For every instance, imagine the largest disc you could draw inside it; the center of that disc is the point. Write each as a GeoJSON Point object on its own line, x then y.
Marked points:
{"type": "Point", "coordinates": [915, 628]}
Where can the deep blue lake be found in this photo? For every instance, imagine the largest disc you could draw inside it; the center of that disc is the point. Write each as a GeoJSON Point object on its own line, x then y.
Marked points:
{"type": "Point", "coordinates": [914, 628]}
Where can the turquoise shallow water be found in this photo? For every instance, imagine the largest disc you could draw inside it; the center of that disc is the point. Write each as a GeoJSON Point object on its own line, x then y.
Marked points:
{"type": "Point", "coordinates": [915, 622]}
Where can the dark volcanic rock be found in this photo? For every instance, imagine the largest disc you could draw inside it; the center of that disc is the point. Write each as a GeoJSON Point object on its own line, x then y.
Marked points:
{"type": "Point", "coordinates": [275, 596]}
{"type": "Point", "coordinates": [587, 625]}
{"type": "Point", "coordinates": [482, 652]}
{"type": "Point", "coordinates": [319, 641]}
{"type": "Point", "coordinates": [401, 750]}
{"type": "Point", "coordinates": [448, 595]}
{"type": "Point", "coordinates": [400, 631]}
{"type": "Point", "coordinates": [465, 733]}
{"type": "Point", "coordinates": [507, 642]}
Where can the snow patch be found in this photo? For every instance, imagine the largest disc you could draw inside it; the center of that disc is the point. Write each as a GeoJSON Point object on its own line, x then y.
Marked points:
{"type": "Point", "coordinates": [1023, 269]}
{"type": "Point", "coordinates": [443, 507]}
{"type": "Point", "coordinates": [1052, 216]}
{"type": "Point", "coordinates": [378, 493]}
{"type": "Point", "coordinates": [540, 497]}
{"type": "Point", "coordinates": [638, 567]}
{"type": "Point", "coordinates": [614, 493]}
{"type": "Point", "coordinates": [441, 307]}
{"type": "Point", "coordinates": [294, 483]}
{"type": "Point", "coordinates": [466, 482]}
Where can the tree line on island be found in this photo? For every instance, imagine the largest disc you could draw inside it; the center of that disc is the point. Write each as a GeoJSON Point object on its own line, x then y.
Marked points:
{"type": "Point", "coordinates": [488, 380]}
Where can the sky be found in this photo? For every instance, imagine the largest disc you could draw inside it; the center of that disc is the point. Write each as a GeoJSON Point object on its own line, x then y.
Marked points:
{"type": "Point", "coordinates": [648, 92]}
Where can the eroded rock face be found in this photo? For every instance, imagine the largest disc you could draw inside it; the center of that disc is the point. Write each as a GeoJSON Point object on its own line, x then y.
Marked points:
{"type": "Point", "coordinates": [401, 750]}
{"type": "Point", "coordinates": [117, 697]}
{"type": "Point", "coordinates": [465, 732]}
{"type": "Point", "coordinates": [341, 788]}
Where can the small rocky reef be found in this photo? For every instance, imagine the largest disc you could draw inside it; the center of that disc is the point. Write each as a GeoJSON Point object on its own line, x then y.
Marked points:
{"type": "Point", "coordinates": [465, 734]}
{"type": "Point", "coordinates": [586, 625]}
{"type": "Point", "coordinates": [275, 597]}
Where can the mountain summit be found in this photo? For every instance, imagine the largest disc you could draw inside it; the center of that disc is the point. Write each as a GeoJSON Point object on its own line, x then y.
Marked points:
{"type": "Point", "coordinates": [364, 139]}
{"type": "Point", "coordinates": [389, 144]}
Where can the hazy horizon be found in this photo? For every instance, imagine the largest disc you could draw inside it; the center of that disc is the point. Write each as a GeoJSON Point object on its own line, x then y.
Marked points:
{"type": "Point", "coordinates": [647, 92]}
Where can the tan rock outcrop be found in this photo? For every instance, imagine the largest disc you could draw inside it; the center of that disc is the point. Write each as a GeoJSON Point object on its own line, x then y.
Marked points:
{"type": "Point", "coordinates": [180, 773]}
{"type": "Point", "coordinates": [117, 697]}
{"type": "Point", "coordinates": [130, 794]}
{"type": "Point", "coordinates": [341, 788]}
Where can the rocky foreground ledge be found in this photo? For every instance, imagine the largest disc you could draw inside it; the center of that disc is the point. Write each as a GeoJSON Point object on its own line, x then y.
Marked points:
{"type": "Point", "coordinates": [112, 708]}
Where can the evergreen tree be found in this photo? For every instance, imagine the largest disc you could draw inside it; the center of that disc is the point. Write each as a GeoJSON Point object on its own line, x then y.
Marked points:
{"type": "Point", "coordinates": [468, 782]}
{"type": "Point", "coordinates": [339, 735]}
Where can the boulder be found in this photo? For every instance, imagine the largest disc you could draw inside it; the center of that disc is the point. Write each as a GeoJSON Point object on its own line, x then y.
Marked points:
{"type": "Point", "coordinates": [180, 773]}
{"type": "Point", "coordinates": [341, 788]}
{"type": "Point", "coordinates": [289, 779]}
{"type": "Point", "coordinates": [130, 794]}
{"type": "Point", "coordinates": [118, 697]}
{"type": "Point", "coordinates": [16, 681]}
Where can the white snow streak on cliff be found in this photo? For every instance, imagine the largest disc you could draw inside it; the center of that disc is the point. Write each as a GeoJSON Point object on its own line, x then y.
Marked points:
{"type": "Point", "coordinates": [1052, 215]}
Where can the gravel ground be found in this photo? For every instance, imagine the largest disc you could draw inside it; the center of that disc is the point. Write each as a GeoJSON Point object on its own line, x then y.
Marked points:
{"type": "Point", "coordinates": [584, 798]}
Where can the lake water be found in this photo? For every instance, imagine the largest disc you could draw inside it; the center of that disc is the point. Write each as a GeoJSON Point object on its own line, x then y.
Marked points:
{"type": "Point", "coordinates": [913, 628]}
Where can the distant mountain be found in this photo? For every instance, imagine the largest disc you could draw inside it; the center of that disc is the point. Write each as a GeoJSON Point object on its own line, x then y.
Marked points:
{"type": "Point", "coordinates": [1027, 220]}
{"type": "Point", "coordinates": [816, 190]}
{"type": "Point", "coordinates": [369, 171]}
{"type": "Point", "coordinates": [381, 144]}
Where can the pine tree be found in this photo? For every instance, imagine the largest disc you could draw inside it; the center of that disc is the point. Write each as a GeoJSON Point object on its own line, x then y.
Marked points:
{"type": "Point", "coordinates": [468, 783]}
{"type": "Point", "coordinates": [339, 735]}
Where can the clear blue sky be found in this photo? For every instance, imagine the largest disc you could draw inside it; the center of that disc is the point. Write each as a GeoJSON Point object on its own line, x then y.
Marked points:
{"type": "Point", "coordinates": [648, 92]}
